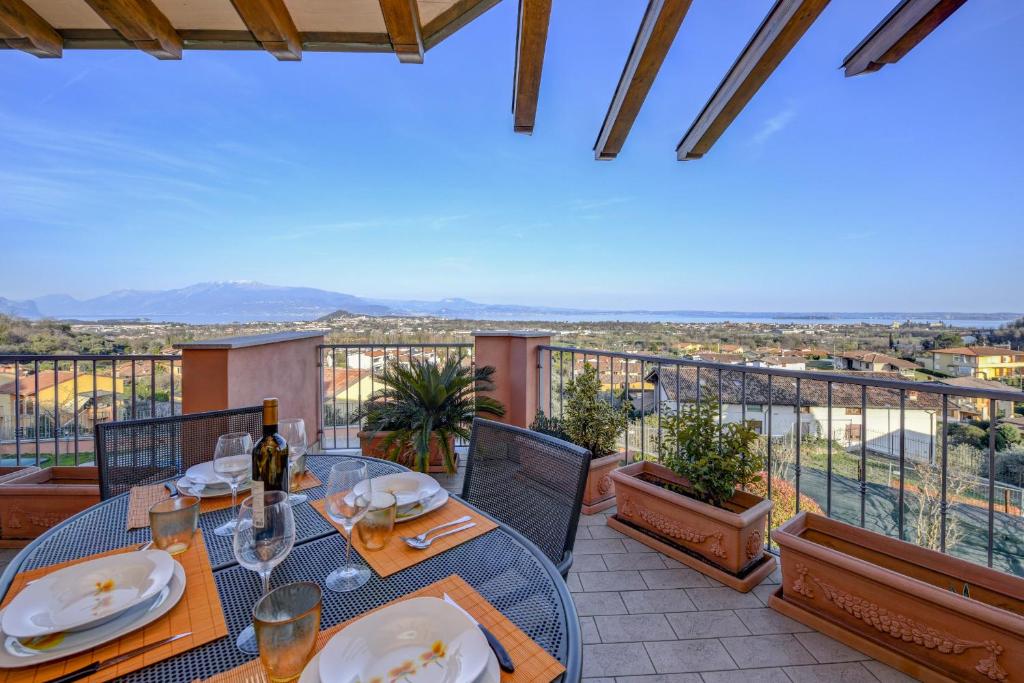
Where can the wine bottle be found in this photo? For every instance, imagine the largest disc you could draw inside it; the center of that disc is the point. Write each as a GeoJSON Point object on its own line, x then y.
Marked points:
{"type": "Point", "coordinates": [270, 454]}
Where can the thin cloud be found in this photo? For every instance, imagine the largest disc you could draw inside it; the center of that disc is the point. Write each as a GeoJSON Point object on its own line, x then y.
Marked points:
{"type": "Point", "coordinates": [774, 125]}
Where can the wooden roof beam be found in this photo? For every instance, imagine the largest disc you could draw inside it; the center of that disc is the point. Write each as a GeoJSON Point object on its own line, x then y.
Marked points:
{"type": "Point", "coordinates": [658, 30]}
{"type": "Point", "coordinates": [531, 41]}
{"type": "Point", "coordinates": [141, 23]}
{"type": "Point", "coordinates": [23, 29]}
{"type": "Point", "coordinates": [782, 28]}
{"type": "Point", "coordinates": [899, 33]}
{"type": "Point", "coordinates": [272, 25]}
{"type": "Point", "coordinates": [402, 19]}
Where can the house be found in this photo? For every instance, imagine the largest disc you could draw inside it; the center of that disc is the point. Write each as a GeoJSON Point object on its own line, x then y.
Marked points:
{"type": "Point", "coordinates": [783, 362]}
{"type": "Point", "coordinates": [28, 392]}
{"type": "Point", "coordinates": [872, 361]}
{"type": "Point", "coordinates": [987, 362]}
{"type": "Point", "coordinates": [712, 357]}
{"type": "Point", "coordinates": [880, 426]}
{"type": "Point", "coordinates": [980, 408]}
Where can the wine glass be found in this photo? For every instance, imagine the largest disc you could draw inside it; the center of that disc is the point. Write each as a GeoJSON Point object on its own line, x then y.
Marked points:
{"type": "Point", "coordinates": [293, 430]}
{"type": "Point", "coordinates": [263, 548]}
{"type": "Point", "coordinates": [346, 508]}
{"type": "Point", "coordinates": [232, 463]}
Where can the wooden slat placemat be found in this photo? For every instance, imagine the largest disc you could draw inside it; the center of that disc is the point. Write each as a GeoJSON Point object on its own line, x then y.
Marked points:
{"type": "Point", "coordinates": [533, 663]}
{"type": "Point", "coordinates": [396, 555]}
{"type": "Point", "coordinates": [142, 498]}
{"type": "Point", "coordinates": [199, 612]}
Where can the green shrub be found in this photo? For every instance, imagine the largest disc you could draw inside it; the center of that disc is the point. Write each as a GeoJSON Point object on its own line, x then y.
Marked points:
{"type": "Point", "coordinates": [1007, 436]}
{"type": "Point", "coordinates": [1010, 468]}
{"type": "Point", "coordinates": [969, 434]}
{"type": "Point", "coordinates": [714, 458]}
{"type": "Point", "coordinates": [587, 421]}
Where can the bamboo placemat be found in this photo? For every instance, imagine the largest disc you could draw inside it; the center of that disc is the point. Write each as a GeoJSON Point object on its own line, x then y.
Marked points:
{"type": "Point", "coordinates": [396, 555]}
{"type": "Point", "coordinates": [198, 611]}
{"type": "Point", "coordinates": [533, 663]}
{"type": "Point", "coordinates": [141, 498]}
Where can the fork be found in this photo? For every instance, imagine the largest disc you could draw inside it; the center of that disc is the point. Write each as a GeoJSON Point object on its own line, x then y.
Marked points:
{"type": "Point", "coordinates": [420, 538]}
{"type": "Point", "coordinates": [422, 545]}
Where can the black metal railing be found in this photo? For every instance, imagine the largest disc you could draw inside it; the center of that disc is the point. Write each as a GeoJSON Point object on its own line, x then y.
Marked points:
{"type": "Point", "coordinates": [350, 373]}
{"type": "Point", "coordinates": [50, 404]}
{"type": "Point", "coordinates": [890, 454]}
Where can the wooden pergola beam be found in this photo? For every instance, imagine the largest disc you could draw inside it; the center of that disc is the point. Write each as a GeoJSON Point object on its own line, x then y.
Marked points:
{"type": "Point", "coordinates": [899, 33]}
{"type": "Point", "coordinates": [23, 29]}
{"type": "Point", "coordinates": [140, 22]}
{"type": "Point", "coordinates": [272, 25]}
{"type": "Point", "coordinates": [781, 29]}
{"type": "Point", "coordinates": [657, 31]}
{"type": "Point", "coordinates": [531, 40]}
{"type": "Point", "coordinates": [402, 19]}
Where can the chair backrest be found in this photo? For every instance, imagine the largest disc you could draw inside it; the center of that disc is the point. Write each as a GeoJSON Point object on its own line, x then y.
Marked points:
{"type": "Point", "coordinates": [134, 452]}
{"type": "Point", "coordinates": [531, 481]}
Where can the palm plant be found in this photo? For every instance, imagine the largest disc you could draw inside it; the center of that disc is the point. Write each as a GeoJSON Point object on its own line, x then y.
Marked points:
{"type": "Point", "coordinates": [425, 398]}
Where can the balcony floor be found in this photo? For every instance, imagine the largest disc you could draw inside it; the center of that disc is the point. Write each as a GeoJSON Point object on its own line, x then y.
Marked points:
{"type": "Point", "coordinates": [646, 618]}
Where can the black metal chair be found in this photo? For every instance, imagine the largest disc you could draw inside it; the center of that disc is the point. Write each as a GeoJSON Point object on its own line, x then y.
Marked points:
{"type": "Point", "coordinates": [530, 481]}
{"type": "Point", "coordinates": [134, 452]}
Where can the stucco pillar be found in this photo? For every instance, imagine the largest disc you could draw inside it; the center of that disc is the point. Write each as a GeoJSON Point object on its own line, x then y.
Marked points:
{"type": "Point", "coordinates": [235, 372]}
{"type": "Point", "coordinates": [515, 358]}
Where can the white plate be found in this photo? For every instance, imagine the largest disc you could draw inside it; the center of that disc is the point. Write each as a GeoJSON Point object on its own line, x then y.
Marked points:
{"type": "Point", "coordinates": [492, 674]}
{"type": "Point", "coordinates": [190, 488]}
{"type": "Point", "coordinates": [429, 505]}
{"type": "Point", "coordinates": [409, 488]}
{"type": "Point", "coordinates": [13, 653]}
{"type": "Point", "coordinates": [87, 594]}
{"type": "Point", "coordinates": [425, 637]}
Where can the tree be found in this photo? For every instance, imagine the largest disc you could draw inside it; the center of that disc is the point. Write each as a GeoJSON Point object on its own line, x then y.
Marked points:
{"type": "Point", "coordinates": [926, 502]}
{"type": "Point", "coordinates": [943, 340]}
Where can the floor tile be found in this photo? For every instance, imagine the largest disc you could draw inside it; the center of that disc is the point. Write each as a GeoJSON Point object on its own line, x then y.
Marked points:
{"type": "Point", "coordinates": [598, 546]}
{"type": "Point", "coordinates": [747, 676]}
{"type": "Point", "coordinates": [589, 630]}
{"type": "Point", "coordinates": [751, 652]}
{"type": "Point", "coordinates": [573, 583]}
{"type": "Point", "coordinates": [763, 620]}
{"type": "Point", "coordinates": [612, 581]}
{"type": "Point", "coordinates": [827, 650]}
{"type": "Point", "coordinates": [689, 655]}
{"type": "Point", "coordinates": [661, 601]}
{"type": "Point", "coordinates": [719, 624]}
{"type": "Point", "coordinates": [661, 678]}
{"type": "Point", "coordinates": [721, 598]}
{"type": "Point", "coordinates": [852, 672]}
{"type": "Point", "coordinates": [617, 659]}
{"type": "Point", "coordinates": [592, 604]}
{"type": "Point", "coordinates": [634, 628]}
{"type": "Point", "coordinates": [583, 532]}
{"type": "Point", "coordinates": [673, 578]}
{"type": "Point", "coordinates": [587, 563]}
{"type": "Point", "coordinates": [632, 546]}
{"type": "Point", "coordinates": [633, 561]}
{"type": "Point", "coordinates": [604, 532]}
{"type": "Point", "coordinates": [887, 674]}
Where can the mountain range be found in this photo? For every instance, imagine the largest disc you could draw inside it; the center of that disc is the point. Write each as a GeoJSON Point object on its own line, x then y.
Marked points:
{"type": "Point", "coordinates": [224, 302]}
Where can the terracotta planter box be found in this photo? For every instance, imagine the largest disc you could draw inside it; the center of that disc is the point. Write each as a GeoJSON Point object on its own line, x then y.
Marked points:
{"type": "Point", "coordinates": [372, 444]}
{"type": "Point", "coordinates": [727, 544]}
{"type": "Point", "coordinates": [600, 491]}
{"type": "Point", "coordinates": [901, 603]}
{"type": "Point", "coordinates": [35, 500]}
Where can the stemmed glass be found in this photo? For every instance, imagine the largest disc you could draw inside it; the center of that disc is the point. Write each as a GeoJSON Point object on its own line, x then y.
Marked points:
{"type": "Point", "coordinates": [346, 508]}
{"type": "Point", "coordinates": [263, 548]}
{"type": "Point", "coordinates": [232, 463]}
{"type": "Point", "coordinates": [293, 430]}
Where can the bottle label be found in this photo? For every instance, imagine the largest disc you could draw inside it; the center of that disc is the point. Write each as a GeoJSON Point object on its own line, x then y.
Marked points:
{"type": "Point", "coordinates": [259, 518]}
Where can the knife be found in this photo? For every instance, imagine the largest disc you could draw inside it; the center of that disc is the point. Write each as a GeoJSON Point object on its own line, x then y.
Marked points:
{"type": "Point", "coordinates": [89, 670]}
{"type": "Point", "coordinates": [169, 485]}
{"type": "Point", "coordinates": [504, 661]}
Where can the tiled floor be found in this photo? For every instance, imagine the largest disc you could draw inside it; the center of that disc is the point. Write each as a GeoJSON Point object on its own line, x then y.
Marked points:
{"type": "Point", "coordinates": [649, 619]}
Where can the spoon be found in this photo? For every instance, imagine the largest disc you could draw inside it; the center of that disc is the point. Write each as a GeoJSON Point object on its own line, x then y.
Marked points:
{"type": "Point", "coordinates": [422, 537]}
{"type": "Point", "coordinates": [421, 545]}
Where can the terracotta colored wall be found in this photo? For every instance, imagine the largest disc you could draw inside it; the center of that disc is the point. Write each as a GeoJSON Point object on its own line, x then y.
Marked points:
{"type": "Point", "coordinates": [287, 370]}
{"type": "Point", "coordinates": [214, 379]}
{"type": "Point", "coordinates": [514, 357]}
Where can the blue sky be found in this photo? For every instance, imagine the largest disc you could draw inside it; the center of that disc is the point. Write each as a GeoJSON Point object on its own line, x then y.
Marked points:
{"type": "Point", "coordinates": [899, 190]}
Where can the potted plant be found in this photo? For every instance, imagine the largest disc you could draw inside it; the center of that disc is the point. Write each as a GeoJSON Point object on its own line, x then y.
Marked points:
{"type": "Point", "coordinates": [927, 613]}
{"type": "Point", "coordinates": [594, 424]}
{"type": "Point", "coordinates": [693, 507]}
{"type": "Point", "coordinates": [419, 410]}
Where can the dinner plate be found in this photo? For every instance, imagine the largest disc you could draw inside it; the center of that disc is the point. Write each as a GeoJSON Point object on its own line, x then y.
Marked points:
{"type": "Point", "coordinates": [189, 487]}
{"type": "Point", "coordinates": [409, 488]}
{"type": "Point", "coordinates": [492, 674]}
{"type": "Point", "coordinates": [424, 640]}
{"type": "Point", "coordinates": [87, 594]}
{"type": "Point", "coordinates": [420, 509]}
{"type": "Point", "coordinates": [16, 653]}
